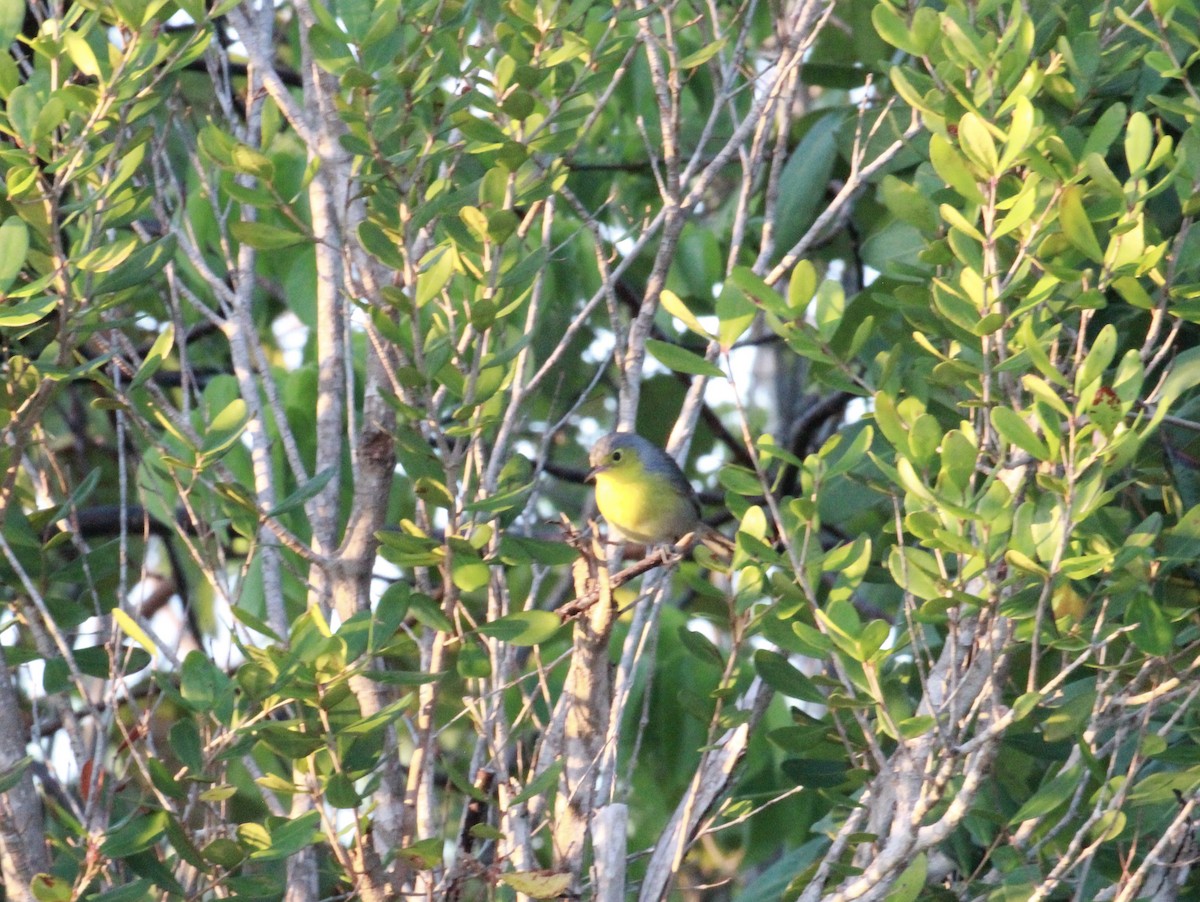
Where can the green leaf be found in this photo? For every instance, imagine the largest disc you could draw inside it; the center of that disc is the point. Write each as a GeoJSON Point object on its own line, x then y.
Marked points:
{"type": "Point", "coordinates": [251, 162]}
{"type": "Point", "coordinates": [135, 891]}
{"type": "Point", "coordinates": [310, 489]}
{"type": "Point", "coordinates": [851, 454]}
{"type": "Point", "coordinates": [911, 883]}
{"type": "Point", "coordinates": [915, 572]}
{"type": "Point", "coordinates": [805, 177]}
{"type": "Point", "coordinates": [185, 743]}
{"type": "Point", "coordinates": [1105, 130]}
{"type": "Point", "coordinates": [539, 785]}
{"type": "Point", "coordinates": [140, 268]}
{"type": "Point", "coordinates": [1100, 355]}
{"type": "Point", "coordinates": [264, 237]}
{"type": "Point", "coordinates": [12, 17]}
{"type": "Point", "coordinates": [1014, 430]}
{"type": "Point", "coordinates": [523, 627]}
{"type": "Point", "coordinates": [976, 142]}
{"type": "Point", "coordinates": [340, 792]}
{"type": "Point", "coordinates": [831, 306]}
{"type": "Point", "coordinates": [424, 854]}
{"type": "Point", "coordinates": [134, 836]}
{"type": "Point", "coordinates": [1020, 133]}
{"type": "Point", "coordinates": [81, 54]}
{"type": "Point", "coordinates": [950, 166]}
{"type": "Point", "coordinates": [955, 219]}
{"type": "Point", "coordinates": [1184, 375]}
{"type": "Point", "coordinates": [108, 256]}
{"type": "Point", "coordinates": [14, 245]}
{"type": "Point", "coordinates": [11, 776]}
{"type": "Point", "coordinates": [682, 360]}
{"type": "Point", "coordinates": [784, 677]}
{"type": "Point", "coordinates": [289, 836]}
{"type": "Point", "coordinates": [290, 743]}
{"type": "Point", "coordinates": [200, 682]}
{"type": "Point", "coordinates": [735, 313]}
{"type": "Point", "coordinates": [438, 267]}
{"type": "Point", "coordinates": [1139, 138]}
{"type": "Point", "coordinates": [24, 104]}
{"type": "Point", "coordinates": [154, 359]}
{"type": "Point", "coordinates": [700, 646]}
{"type": "Point", "coordinates": [224, 852]}
{"type": "Point", "coordinates": [1076, 225]}
{"type": "Point", "coordinates": [1021, 211]}
{"type": "Point", "coordinates": [801, 286]}
{"type": "Point", "coordinates": [703, 55]}
{"type": "Point", "coordinates": [473, 663]}
{"type": "Point", "coordinates": [469, 572]}
{"type": "Point", "coordinates": [1108, 826]}
{"type": "Point", "coordinates": [755, 288]}
{"type": "Point", "coordinates": [380, 245]}
{"type": "Point", "coordinates": [1151, 631]}
{"type": "Point", "coordinates": [893, 29]}
{"type": "Point", "coordinates": [525, 550]}
{"type": "Point", "coordinates": [739, 480]}
{"type": "Point", "coordinates": [27, 312]}
{"type": "Point", "coordinates": [226, 427]}
{"type": "Point", "coordinates": [1048, 797]}
{"type": "Point", "coordinates": [816, 773]}
{"type": "Point", "coordinates": [164, 781]}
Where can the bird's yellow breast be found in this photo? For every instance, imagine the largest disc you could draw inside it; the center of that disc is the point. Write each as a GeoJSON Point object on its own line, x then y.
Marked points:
{"type": "Point", "coordinates": [644, 508]}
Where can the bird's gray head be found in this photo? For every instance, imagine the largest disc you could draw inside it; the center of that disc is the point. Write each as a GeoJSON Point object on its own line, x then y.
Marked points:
{"type": "Point", "coordinates": [612, 448]}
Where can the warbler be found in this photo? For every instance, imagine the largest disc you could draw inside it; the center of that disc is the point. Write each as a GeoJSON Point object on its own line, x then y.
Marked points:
{"type": "Point", "coordinates": [644, 495]}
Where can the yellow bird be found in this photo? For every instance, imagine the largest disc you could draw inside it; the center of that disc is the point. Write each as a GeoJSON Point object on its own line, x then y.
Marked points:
{"type": "Point", "coordinates": [645, 497]}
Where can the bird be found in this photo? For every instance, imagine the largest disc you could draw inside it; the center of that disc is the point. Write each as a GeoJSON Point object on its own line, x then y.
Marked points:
{"type": "Point", "coordinates": [644, 496]}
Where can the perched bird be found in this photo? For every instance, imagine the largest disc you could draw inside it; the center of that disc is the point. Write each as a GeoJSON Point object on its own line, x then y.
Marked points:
{"type": "Point", "coordinates": [644, 495]}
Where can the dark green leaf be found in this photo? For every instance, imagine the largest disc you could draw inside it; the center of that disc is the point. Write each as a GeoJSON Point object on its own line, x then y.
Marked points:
{"type": "Point", "coordinates": [134, 891]}
{"type": "Point", "coordinates": [139, 833]}
{"type": "Point", "coordinates": [224, 852]}
{"type": "Point", "coordinates": [700, 646]}
{"type": "Point", "coordinates": [11, 776]}
{"type": "Point", "coordinates": [1152, 631]}
{"type": "Point", "coordinates": [539, 785]}
{"type": "Point", "coordinates": [682, 360]}
{"type": "Point", "coordinates": [782, 676]}
{"type": "Point", "coordinates": [309, 490]}
{"type": "Point", "coordinates": [142, 266]}
{"type": "Point", "coordinates": [185, 743]}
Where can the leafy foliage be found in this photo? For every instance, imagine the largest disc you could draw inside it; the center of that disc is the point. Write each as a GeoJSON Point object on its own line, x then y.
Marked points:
{"type": "Point", "coordinates": [309, 314]}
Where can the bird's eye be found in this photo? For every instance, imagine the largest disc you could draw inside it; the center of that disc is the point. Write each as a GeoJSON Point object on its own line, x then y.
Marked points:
{"type": "Point", "coordinates": [616, 456]}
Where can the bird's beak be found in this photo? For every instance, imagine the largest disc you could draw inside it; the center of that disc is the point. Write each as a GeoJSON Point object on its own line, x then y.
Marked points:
{"type": "Point", "coordinates": [591, 476]}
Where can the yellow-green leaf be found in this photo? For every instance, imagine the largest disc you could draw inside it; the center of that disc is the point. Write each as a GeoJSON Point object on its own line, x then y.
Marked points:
{"type": "Point", "coordinates": [1076, 225]}
{"type": "Point", "coordinates": [674, 305]}
{"type": "Point", "coordinates": [703, 55]}
{"type": "Point", "coordinates": [976, 142]}
{"type": "Point", "coordinates": [134, 631]}
{"type": "Point", "coordinates": [537, 884]}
